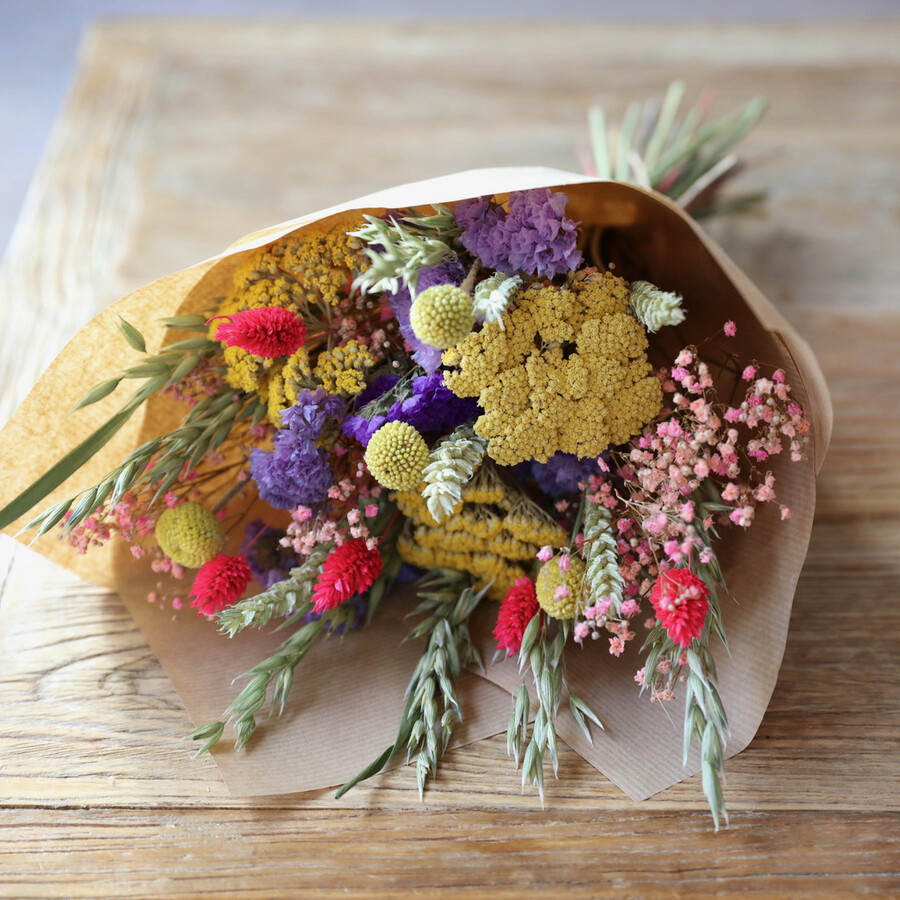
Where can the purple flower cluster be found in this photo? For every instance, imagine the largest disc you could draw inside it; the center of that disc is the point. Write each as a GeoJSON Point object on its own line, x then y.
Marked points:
{"type": "Point", "coordinates": [560, 475]}
{"type": "Point", "coordinates": [268, 560]}
{"type": "Point", "coordinates": [431, 407]}
{"type": "Point", "coordinates": [429, 358]}
{"type": "Point", "coordinates": [534, 237]}
{"type": "Point", "coordinates": [296, 471]}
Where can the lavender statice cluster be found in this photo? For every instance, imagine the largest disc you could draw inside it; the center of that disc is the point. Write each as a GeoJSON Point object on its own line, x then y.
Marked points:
{"type": "Point", "coordinates": [534, 237]}
{"type": "Point", "coordinates": [296, 472]}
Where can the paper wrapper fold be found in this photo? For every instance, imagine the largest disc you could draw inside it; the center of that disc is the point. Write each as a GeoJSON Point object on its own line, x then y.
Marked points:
{"type": "Point", "coordinates": [348, 693]}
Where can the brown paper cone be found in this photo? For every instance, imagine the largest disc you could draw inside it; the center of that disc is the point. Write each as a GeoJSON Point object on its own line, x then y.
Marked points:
{"type": "Point", "coordinates": [348, 693]}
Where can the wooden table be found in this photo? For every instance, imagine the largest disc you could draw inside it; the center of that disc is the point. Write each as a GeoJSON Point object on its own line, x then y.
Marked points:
{"type": "Point", "coordinates": [177, 138]}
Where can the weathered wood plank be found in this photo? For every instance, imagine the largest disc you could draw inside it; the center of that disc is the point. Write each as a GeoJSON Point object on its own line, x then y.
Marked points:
{"type": "Point", "coordinates": [654, 856]}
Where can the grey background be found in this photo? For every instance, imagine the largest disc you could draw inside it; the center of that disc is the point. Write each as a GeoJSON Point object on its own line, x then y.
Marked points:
{"type": "Point", "coordinates": [39, 44]}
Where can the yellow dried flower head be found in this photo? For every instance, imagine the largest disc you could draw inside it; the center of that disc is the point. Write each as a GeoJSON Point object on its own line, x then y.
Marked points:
{"type": "Point", "coordinates": [442, 316]}
{"type": "Point", "coordinates": [296, 273]}
{"type": "Point", "coordinates": [342, 370]}
{"type": "Point", "coordinates": [189, 535]}
{"type": "Point", "coordinates": [324, 259]}
{"type": "Point", "coordinates": [490, 533]}
{"type": "Point", "coordinates": [567, 372]}
{"type": "Point", "coordinates": [560, 592]}
{"type": "Point", "coordinates": [396, 456]}
{"type": "Point", "coordinates": [284, 385]}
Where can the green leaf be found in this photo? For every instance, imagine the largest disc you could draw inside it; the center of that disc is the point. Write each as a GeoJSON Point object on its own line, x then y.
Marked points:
{"type": "Point", "coordinates": [188, 322]}
{"type": "Point", "coordinates": [198, 343]}
{"type": "Point", "coordinates": [65, 468]}
{"type": "Point", "coordinates": [132, 335]}
{"type": "Point", "coordinates": [579, 721]}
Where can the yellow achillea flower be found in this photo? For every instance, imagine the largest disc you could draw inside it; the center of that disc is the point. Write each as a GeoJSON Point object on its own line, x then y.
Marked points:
{"type": "Point", "coordinates": [567, 371]}
{"type": "Point", "coordinates": [283, 385]}
{"type": "Point", "coordinates": [396, 456]}
{"type": "Point", "coordinates": [560, 591]}
{"type": "Point", "coordinates": [325, 259]}
{"type": "Point", "coordinates": [342, 370]}
{"type": "Point", "coordinates": [302, 273]}
{"type": "Point", "coordinates": [189, 535]}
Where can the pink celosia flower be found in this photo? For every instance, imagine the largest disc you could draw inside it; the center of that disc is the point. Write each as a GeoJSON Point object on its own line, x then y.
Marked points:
{"type": "Point", "coordinates": [349, 569]}
{"type": "Point", "coordinates": [517, 609]}
{"type": "Point", "coordinates": [267, 332]}
{"type": "Point", "coordinates": [680, 599]}
{"type": "Point", "coordinates": [219, 583]}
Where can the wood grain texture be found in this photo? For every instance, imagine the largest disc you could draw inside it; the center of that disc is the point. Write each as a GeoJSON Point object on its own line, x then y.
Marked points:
{"type": "Point", "coordinates": [176, 139]}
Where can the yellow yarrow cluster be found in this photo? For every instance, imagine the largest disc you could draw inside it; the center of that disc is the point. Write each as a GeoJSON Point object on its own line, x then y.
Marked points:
{"type": "Point", "coordinates": [442, 316]}
{"type": "Point", "coordinates": [552, 577]}
{"type": "Point", "coordinates": [324, 259]}
{"type": "Point", "coordinates": [189, 535]}
{"type": "Point", "coordinates": [343, 369]}
{"type": "Point", "coordinates": [565, 370]}
{"type": "Point", "coordinates": [283, 385]}
{"type": "Point", "coordinates": [494, 533]}
{"type": "Point", "coordinates": [297, 272]}
{"type": "Point", "coordinates": [397, 455]}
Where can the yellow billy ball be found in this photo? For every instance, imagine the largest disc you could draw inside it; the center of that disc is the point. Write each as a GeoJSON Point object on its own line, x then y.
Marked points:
{"type": "Point", "coordinates": [396, 456]}
{"type": "Point", "coordinates": [560, 592]}
{"type": "Point", "coordinates": [189, 535]}
{"type": "Point", "coordinates": [442, 316]}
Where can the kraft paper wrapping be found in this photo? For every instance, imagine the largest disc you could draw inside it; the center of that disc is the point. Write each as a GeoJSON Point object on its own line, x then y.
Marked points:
{"type": "Point", "coordinates": [347, 699]}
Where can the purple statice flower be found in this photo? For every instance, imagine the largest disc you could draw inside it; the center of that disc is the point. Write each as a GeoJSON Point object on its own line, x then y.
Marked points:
{"type": "Point", "coordinates": [268, 560]}
{"type": "Point", "coordinates": [360, 428]}
{"type": "Point", "coordinates": [291, 476]}
{"type": "Point", "coordinates": [483, 235]}
{"type": "Point", "coordinates": [534, 237]}
{"type": "Point", "coordinates": [431, 407]}
{"type": "Point", "coordinates": [454, 272]}
{"type": "Point", "coordinates": [296, 471]}
{"type": "Point", "coordinates": [561, 474]}
{"type": "Point", "coordinates": [381, 385]}
{"type": "Point", "coordinates": [308, 414]}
